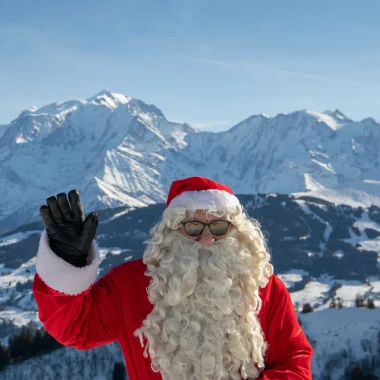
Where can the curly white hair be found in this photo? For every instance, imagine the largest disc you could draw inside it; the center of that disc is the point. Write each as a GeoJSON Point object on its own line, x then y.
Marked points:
{"type": "Point", "coordinates": [204, 323]}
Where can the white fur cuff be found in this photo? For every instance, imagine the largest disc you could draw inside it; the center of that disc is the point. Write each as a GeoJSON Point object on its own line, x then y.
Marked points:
{"type": "Point", "coordinates": [62, 276]}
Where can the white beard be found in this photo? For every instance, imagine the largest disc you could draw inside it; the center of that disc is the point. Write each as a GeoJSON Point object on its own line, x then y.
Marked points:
{"type": "Point", "coordinates": [204, 322]}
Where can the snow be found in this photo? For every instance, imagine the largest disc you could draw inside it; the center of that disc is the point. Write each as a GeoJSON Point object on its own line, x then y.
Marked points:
{"type": "Point", "coordinates": [17, 237]}
{"type": "Point", "coordinates": [119, 214]}
{"type": "Point", "coordinates": [338, 330]}
{"type": "Point", "coordinates": [350, 290]}
{"type": "Point", "coordinates": [371, 181]}
{"type": "Point", "coordinates": [339, 254]}
{"type": "Point", "coordinates": [375, 288]}
{"type": "Point", "coordinates": [350, 197]}
{"type": "Point", "coordinates": [366, 222]}
{"type": "Point", "coordinates": [362, 241]}
{"type": "Point", "coordinates": [324, 166]}
{"type": "Point", "coordinates": [311, 183]}
{"type": "Point", "coordinates": [312, 293]}
{"type": "Point", "coordinates": [19, 317]}
{"type": "Point", "coordinates": [21, 140]}
{"type": "Point", "coordinates": [291, 277]}
{"type": "Point", "coordinates": [120, 151]}
{"type": "Point", "coordinates": [337, 114]}
{"type": "Point", "coordinates": [112, 251]}
{"type": "Point", "coordinates": [109, 98]}
{"type": "Point", "coordinates": [2, 129]}
{"type": "Point", "coordinates": [67, 364]}
{"type": "Point", "coordinates": [370, 245]}
{"type": "Point", "coordinates": [333, 123]}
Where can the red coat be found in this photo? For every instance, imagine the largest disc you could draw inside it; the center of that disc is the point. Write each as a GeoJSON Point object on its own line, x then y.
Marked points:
{"type": "Point", "coordinates": [113, 307]}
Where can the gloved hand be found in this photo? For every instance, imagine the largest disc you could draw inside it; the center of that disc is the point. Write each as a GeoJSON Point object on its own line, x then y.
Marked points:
{"type": "Point", "coordinates": [70, 236]}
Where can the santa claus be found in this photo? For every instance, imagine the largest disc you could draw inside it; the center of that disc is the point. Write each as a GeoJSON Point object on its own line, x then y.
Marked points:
{"type": "Point", "coordinates": [202, 304]}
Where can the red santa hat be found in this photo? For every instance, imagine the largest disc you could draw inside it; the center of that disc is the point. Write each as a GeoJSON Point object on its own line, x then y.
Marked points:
{"type": "Point", "coordinates": [200, 193]}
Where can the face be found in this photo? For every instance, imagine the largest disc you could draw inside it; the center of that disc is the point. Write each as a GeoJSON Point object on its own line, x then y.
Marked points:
{"type": "Point", "coordinates": [206, 238]}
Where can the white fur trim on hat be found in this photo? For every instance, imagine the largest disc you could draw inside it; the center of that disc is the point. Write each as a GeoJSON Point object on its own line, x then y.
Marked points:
{"type": "Point", "coordinates": [204, 199]}
{"type": "Point", "coordinates": [62, 276]}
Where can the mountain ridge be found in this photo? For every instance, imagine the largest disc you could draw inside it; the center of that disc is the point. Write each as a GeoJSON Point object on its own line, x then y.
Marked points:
{"type": "Point", "coordinates": [121, 151]}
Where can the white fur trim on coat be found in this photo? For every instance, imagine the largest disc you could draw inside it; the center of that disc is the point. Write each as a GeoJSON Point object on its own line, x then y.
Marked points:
{"type": "Point", "coordinates": [204, 199]}
{"type": "Point", "coordinates": [62, 276]}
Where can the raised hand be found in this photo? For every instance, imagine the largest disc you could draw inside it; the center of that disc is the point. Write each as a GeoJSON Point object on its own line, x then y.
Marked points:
{"type": "Point", "coordinates": [70, 235]}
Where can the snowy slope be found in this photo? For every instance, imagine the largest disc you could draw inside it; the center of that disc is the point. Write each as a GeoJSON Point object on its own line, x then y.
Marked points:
{"type": "Point", "coordinates": [68, 364]}
{"type": "Point", "coordinates": [308, 236]}
{"type": "Point", "coordinates": [107, 146]}
{"type": "Point", "coordinates": [312, 242]}
{"type": "Point", "coordinates": [2, 129]}
{"type": "Point", "coordinates": [120, 151]}
{"type": "Point", "coordinates": [340, 338]}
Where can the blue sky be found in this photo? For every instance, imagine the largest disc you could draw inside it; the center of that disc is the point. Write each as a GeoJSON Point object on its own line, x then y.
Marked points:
{"type": "Point", "coordinates": [209, 63]}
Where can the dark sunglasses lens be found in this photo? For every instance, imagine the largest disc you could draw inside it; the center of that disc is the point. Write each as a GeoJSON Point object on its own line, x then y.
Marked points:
{"type": "Point", "coordinates": [193, 228]}
{"type": "Point", "coordinates": [219, 227]}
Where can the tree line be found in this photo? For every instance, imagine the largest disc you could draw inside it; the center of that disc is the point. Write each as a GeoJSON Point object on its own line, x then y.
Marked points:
{"type": "Point", "coordinates": [26, 344]}
{"type": "Point", "coordinates": [29, 343]}
{"type": "Point", "coordinates": [336, 303]}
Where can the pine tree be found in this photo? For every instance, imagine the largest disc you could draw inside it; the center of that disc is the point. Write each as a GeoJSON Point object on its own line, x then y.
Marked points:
{"type": "Point", "coordinates": [307, 308]}
{"type": "Point", "coordinates": [370, 303]}
{"type": "Point", "coordinates": [359, 301]}
{"type": "Point", "coordinates": [38, 342]}
{"type": "Point", "coordinates": [333, 304]}
{"type": "Point", "coordinates": [20, 346]}
{"type": "Point", "coordinates": [4, 357]}
{"type": "Point", "coordinates": [118, 371]}
{"type": "Point", "coordinates": [357, 373]}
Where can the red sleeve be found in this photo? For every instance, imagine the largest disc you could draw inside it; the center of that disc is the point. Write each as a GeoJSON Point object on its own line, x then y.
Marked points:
{"type": "Point", "coordinates": [83, 321]}
{"type": "Point", "coordinates": [289, 352]}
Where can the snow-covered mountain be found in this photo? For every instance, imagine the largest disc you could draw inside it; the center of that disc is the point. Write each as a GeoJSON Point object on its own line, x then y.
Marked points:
{"type": "Point", "coordinates": [107, 146]}
{"type": "Point", "coordinates": [120, 151]}
{"type": "Point", "coordinates": [2, 129]}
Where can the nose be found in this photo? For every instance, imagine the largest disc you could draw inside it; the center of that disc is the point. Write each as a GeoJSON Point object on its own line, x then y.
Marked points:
{"type": "Point", "coordinates": [206, 238]}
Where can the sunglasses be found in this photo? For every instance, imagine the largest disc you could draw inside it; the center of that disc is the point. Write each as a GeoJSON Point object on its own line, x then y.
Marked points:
{"type": "Point", "coordinates": [217, 227]}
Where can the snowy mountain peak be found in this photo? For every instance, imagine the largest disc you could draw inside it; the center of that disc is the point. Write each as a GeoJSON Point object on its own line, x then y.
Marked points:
{"type": "Point", "coordinates": [370, 121]}
{"type": "Point", "coordinates": [337, 114]}
{"type": "Point", "coordinates": [138, 106]}
{"type": "Point", "coordinates": [58, 108]}
{"type": "Point", "coordinates": [333, 122]}
{"type": "Point", "coordinates": [121, 151]}
{"type": "Point", "coordinates": [114, 100]}
{"type": "Point", "coordinates": [109, 99]}
{"type": "Point", "coordinates": [333, 119]}
{"type": "Point", "coordinates": [106, 93]}
{"type": "Point", "coordinates": [28, 111]}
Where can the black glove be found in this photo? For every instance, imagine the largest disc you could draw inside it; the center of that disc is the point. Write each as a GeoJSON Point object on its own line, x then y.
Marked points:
{"type": "Point", "coordinates": [70, 236]}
